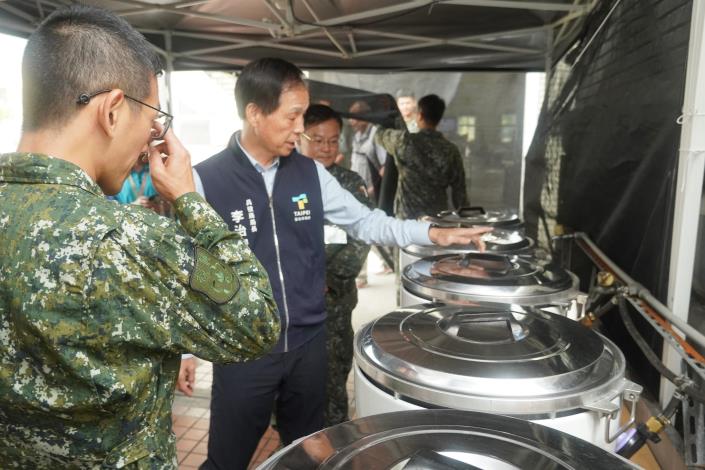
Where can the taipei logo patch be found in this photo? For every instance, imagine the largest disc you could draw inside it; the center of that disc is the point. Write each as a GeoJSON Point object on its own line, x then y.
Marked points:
{"type": "Point", "coordinates": [300, 212]}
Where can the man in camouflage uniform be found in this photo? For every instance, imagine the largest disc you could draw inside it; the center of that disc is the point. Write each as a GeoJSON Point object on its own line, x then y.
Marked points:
{"type": "Point", "coordinates": [98, 300]}
{"type": "Point", "coordinates": [406, 102]}
{"type": "Point", "coordinates": [344, 259]}
{"type": "Point", "coordinates": [427, 162]}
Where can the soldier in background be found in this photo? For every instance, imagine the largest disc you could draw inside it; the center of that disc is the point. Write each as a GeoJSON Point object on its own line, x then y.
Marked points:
{"type": "Point", "coordinates": [406, 102]}
{"type": "Point", "coordinates": [344, 259]}
{"type": "Point", "coordinates": [429, 165]}
{"type": "Point", "coordinates": [98, 300]}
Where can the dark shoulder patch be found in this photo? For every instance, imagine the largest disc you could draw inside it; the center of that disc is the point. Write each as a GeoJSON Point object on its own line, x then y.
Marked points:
{"type": "Point", "coordinates": [213, 278]}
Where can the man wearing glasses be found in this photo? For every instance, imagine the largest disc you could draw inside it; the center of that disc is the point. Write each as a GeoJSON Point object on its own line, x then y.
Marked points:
{"type": "Point", "coordinates": [344, 259]}
{"type": "Point", "coordinates": [98, 300]}
{"type": "Point", "coordinates": [280, 200]}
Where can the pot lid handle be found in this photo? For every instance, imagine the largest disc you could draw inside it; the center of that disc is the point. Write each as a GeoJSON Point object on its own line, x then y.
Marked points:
{"type": "Point", "coordinates": [494, 329]}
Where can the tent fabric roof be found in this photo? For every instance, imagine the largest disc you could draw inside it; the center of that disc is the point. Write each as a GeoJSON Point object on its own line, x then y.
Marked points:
{"type": "Point", "coordinates": [341, 34]}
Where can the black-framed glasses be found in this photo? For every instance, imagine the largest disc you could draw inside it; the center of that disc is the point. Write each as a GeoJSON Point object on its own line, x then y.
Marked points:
{"type": "Point", "coordinates": [161, 123]}
{"type": "Point", "coordinates": [320, 142]}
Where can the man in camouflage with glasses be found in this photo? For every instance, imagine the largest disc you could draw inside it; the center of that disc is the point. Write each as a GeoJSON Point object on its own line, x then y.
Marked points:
{"type": "Point", "coordinates": [344, 259]}
{"type": "Point", "coordinates": [97, 300]}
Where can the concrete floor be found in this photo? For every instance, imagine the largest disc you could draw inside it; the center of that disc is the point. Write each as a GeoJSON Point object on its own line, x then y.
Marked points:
{"type": "Point", "coordinates": [191, 414]}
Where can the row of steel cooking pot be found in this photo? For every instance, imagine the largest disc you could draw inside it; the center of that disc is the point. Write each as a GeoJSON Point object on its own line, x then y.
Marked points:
{"type": "Point", "coordinates": [479, 339]}
{"type": "Point", "coordinates": [510, 271]}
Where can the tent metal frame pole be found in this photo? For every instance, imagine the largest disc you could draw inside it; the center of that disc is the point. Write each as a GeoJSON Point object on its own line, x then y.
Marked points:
{"type": "Point", "coordinates": [288, 27]}
{"type": "Point", "coordinates": [200, 53]}
{"type": "Point", "coordinates": [424, 41]}
{"type": "Point", "coordinates": [504, 33]}
{"type": "Point", "coordinates": [523, 5]}
{"type": "Point", "coordinates": [25, 28]}
{"type": "Point", "coordinates": [564, 24]}
{"type": "Point", "coordinates": [234, 43]}
{"type": "Point", "coordinates": [417, 42]}
{"type": "Point", "coordinates": [412, 4]}
{"type": "Point", "coordinates": [691, 165]}
{"type": "Point", "coordinates": [351, 40]}
{"type": "Point", "coordinates": [208, 16]}
{"type": "Point", "coordinates": [333, 40]}
{"type": "Point", "coordinates": [143, 10]}
{"type": "Point", "coordinates": [284, 29]}
{"type": "Point", "coordinates": [19, 13]}
{"type": "Point", "coordinates": [405, 6]}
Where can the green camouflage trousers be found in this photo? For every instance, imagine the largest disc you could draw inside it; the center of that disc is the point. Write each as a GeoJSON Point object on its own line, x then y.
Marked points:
{"type": "Point", "coordinates": [340, 354]}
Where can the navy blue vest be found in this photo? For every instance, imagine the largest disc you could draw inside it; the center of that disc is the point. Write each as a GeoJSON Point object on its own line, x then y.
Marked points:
{"type": "Point", "coordinates": [237, 192]}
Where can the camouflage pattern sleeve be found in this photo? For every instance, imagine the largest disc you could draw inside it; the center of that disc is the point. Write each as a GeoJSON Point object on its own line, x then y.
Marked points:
{"type": "Point", "coordinates": [200, 290]}
{"type": "Point", "coordinates": [344, 261]}
{"type": "Point", "coordinates": [392, 140]}
{"type": "Point", "coordinates": [97, 302]}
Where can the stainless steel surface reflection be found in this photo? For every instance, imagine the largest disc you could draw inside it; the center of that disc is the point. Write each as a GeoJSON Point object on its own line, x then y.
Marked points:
{"type": "Point", "coordinates": [442, 440]}
{"type": "Point", "coordinates": [486, 277]}
{"type": "Point", "coordinates": [496, 358]}
{"type": "Point", "coordinates": [499, 241]}
{"type": "Point", "coordinates": [469, 216]}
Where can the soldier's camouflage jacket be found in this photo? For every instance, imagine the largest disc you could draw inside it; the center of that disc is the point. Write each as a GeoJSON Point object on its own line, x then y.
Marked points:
{"type": "Point", "coordinates": [97, 302]}
{"type": "Point", "coordinates": [427, 163]}
{"type": "Point", "coordinates": [344, 261]}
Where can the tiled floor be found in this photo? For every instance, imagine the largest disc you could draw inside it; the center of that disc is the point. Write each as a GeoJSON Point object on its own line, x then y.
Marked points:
{"type": "Point", "coordinates": [191, 414]}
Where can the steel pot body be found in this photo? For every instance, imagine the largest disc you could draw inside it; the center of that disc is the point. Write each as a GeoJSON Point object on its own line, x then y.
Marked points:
{"type": "Point", "coordinates": [504, 359]}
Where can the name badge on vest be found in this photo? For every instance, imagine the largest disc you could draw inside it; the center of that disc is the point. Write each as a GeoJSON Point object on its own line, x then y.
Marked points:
{"type": "Point", "coordinates": [238, 217]}
{"type": "Point", "coordinates": [334, 235]}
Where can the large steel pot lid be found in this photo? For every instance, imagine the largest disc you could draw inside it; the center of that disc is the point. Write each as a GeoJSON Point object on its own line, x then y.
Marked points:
{"type": "Point", "coordinates": [442, 440]}
{"type": "Point", "coordinates": [468, 216]}
{"type": "Point", "coordinates": [499, 241]}
{"type": "Point", "coordinates": [487, 277]}
{"type": "Point", "coordinates": [497, 358]}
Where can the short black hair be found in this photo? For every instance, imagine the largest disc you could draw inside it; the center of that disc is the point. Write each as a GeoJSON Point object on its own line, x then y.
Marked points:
{"type": "Point", "coordinates": [82, 49]}
{"type": "Point", "coordinates": [318, 113]}
{"type": "Point", "coordinates": [362, 104]}
{"type": "Point", "coordinates": [405, 92]}
{"type": "Point", "coordinates": [431, 109]}
{"type": "Point", "coordinates": [263, 81]}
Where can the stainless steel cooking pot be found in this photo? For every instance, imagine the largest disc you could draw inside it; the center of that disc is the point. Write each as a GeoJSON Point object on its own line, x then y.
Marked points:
{"type": "Point", "coordinates": [485, 277]}
{"type": "Point", "coordinates": [469, 216]}
{"type": "Point", "coordinates": [504, 359]}
{"type": "Point", "coordinates": [441, 440]}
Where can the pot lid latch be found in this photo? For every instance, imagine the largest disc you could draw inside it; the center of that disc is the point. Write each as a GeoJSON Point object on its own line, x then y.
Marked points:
{"type": "Point", "coordinates": [609, 410]}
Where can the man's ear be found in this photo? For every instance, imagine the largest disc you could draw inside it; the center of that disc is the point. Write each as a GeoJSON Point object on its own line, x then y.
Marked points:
{"type": "Point", "coordinates": [253, 115]}
{"type": "Point", "coordinates": [111, 111]}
